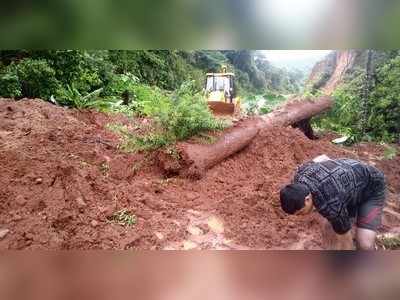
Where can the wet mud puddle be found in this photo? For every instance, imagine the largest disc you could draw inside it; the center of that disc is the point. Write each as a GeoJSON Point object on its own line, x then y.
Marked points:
{"type": "Point", "coordinates": [204, 231]}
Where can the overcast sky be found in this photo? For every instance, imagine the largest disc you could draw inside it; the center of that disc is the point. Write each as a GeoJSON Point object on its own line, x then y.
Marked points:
{"type": "Point", "coordinates": [286, 55]}
{"type": "Point", "coordinates": [295, 59]}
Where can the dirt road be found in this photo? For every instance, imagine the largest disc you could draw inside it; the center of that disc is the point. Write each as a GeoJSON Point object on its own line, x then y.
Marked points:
{"type": "Point", "coordinates": [63, 179]}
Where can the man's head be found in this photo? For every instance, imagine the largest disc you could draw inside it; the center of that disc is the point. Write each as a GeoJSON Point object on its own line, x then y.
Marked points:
{"type": "Point", "coordinates": [296, 199]}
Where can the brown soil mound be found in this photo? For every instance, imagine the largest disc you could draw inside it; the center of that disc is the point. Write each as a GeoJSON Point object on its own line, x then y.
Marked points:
{"type": "Point", "coordinates": [63, 177]}
{"type": "Point", "coordinates": [244, 190]}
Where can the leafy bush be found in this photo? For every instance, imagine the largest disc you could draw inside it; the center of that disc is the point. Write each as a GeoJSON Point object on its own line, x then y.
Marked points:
{"type": "Point", "coordinates": [10, 86]}
{"type": "Point", "coordinates": [345, 116]}
{"type": "Point", "coordinates": [188, 115]}
{"type": "Point", "coordinates": [151, 101]}
{"type": "Point", "coordinates": [86, 70]}
{"type": "Point", "coordinates": [29, 78]}
{"type": "Point", "coordinates": [120, 83]}
{"type": "Point", "coordinates": [177, 117]}
{"type": "Point", "coordinates": [382, 109]}
{"type": "Point", "coordinates": [70, 96]}
{"type": "Point", "coordinates": [384, 106]}
{"type": "Point", "coordinates": [37, 78]}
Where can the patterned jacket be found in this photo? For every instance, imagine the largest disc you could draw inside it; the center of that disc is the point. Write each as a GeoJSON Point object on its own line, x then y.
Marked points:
{"type": "Point", "coordinates": [339, 187]}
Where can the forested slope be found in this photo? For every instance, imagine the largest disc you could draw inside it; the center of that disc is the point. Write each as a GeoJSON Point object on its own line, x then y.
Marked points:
{"type": "Point", "coordinates": [51, 72]}
{"type": "Point", "coordinates": [367, 105]}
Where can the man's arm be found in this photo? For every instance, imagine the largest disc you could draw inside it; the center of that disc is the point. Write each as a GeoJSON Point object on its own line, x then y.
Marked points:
{"type": "Point", "coordinates": [341, 224]}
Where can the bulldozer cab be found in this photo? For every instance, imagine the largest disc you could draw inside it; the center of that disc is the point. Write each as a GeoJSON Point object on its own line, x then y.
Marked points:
{"type": "Point", "coordinates": [220, 87]}
{"type": "Point", "coordinates": [220, 92]}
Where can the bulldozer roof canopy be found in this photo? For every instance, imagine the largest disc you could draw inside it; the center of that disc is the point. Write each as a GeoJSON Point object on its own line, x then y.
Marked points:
{"type": "Point", "coordinates": [220, 74]}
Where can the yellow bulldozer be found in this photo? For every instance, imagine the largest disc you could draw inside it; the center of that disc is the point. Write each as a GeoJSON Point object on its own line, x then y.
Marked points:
{"type": "Point", "coordinates": [220, 92]}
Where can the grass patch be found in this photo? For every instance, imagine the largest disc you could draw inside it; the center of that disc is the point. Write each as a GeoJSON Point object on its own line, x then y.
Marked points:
{"type": "Point", "coordinates": [132, 142]}
{"type": "Point", "coordinates": [124, 218]}
{"type": "Point", "coordinates": [173, 152]}
{"type": "Point", "coordinates": [389, 152]}
{"type": "Point", "coordinates": [388, 241]}
{"type": "Point", "coordinates": [104, 168]}
{"type": "Point", "coordinates": [205, 138]}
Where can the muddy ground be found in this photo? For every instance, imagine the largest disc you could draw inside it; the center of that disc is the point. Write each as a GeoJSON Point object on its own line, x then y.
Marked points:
{"type": "Point", "coordinates": [63, 178]}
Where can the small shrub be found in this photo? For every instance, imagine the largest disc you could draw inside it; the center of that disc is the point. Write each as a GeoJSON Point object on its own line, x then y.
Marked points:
{"type": "Point", "coordinates": [119, 83]}
{"type": "Point", "coordinates": [388, 241]}
{"type": "Point", "coordinates": [70, 96]}
{"type": "Point", "coordinates": [177, 117]}
{"type": "Point", "coordinates": [188, 116]}
{"type": "Point", "coordinates": [124, 218]}
{"type": "Point", "coordinates": [104, 168]}
{"type": "Point", "coordinates": [265, 110]}
{"type": "Point", "coordinates": [37, 78]}
{"type": "Point", "coordinates": [151, 141]}
{"type": "Point", "coordinates": [389, 152]}
{"type": "Point", "coordinates": [131, 142]}
{"type": "Point", "coordinates": [29, 78]}
{"type": "Point", "coordinates": [10, 86]}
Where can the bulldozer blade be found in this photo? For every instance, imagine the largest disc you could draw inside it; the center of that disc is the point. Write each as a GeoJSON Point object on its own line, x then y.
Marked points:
{"type": "Point", "coordinates": [221, 108]}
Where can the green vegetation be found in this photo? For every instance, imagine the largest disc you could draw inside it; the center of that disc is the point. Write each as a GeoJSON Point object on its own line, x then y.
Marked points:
{"type": "Point", "coordinates": [152, 84]}
{"type": "Point", "coordinates": [389, 152]}
{"type": "Point", "coordinates": [176, 116]}
{"type": "Point", "coordinates": [166, 86]}
{"type": "Point", "coordinates": [69, 74]}
{"type": "Point", "coordinates": [163, 85]}
{"type": "Point", "coordinates": [380, 119]}
{"type": "Point", "coordinates": [262, 104]}
{"type": "Point", "coordinates": [124, 218]}
{"type": "Point", "coordinates": [104, 168]}
{"type": "Point", "coordinates": [388, 241]}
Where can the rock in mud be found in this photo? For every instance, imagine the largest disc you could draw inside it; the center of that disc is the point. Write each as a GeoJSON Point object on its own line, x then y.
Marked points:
{"type": "Point", "coordinates": [94, 223]}
{"type": "Point", "coordinates": [3, 233]}
{"type": "Point", "coordinates": [188, 245]}
{"type": "Point", "coordinates": [194, 230]}
{"type": "Point", "coordinates": [159, 235]}
{"type": "Point", "coordinates": [215, 225]}
{"type": "Point", "coordinates": [16, 217]}
{"type": "Point", "coordinates": [81, 203]}
{"type": "Point", "coordinates": [20, 200]}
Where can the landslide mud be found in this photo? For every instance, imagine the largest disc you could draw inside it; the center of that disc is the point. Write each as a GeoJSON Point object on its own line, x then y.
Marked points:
{"type": "Point", "coordinates": [62, 177]}
{"type": "Point", "coordinates": [194, 158]}
{"type": "Point", "coordinates": [221, 108]}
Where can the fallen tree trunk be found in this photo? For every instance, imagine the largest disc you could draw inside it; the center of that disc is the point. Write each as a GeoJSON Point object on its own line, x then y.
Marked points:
{"type": "Point", "coordinates": [194, 159]}
{"type": "Point", "coordinates": [295, 111]}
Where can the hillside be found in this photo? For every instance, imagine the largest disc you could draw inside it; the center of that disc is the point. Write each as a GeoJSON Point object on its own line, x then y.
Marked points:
{"type": "Point", "coordinates": [88, 70]}
{"type": "Point", "coordinates": [365, 109]}
{"type": "Point", "coordinates": [120, 150]}
{"type": "Point", "coordinates": [330, 72]}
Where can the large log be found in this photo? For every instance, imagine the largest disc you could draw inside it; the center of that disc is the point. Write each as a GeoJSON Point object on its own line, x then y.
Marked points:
{"type": "Point", "coordinates": [296, 110]}
{"type": "Point", "coordinates": [193, 159]}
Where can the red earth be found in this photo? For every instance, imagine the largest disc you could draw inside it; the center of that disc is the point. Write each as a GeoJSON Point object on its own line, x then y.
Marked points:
{"type": "Point", "coordinates": [63, 178]}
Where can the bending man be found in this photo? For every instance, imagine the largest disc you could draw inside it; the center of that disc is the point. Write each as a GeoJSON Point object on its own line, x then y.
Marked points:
{"type": "Point", "coordinates": [342, 191]}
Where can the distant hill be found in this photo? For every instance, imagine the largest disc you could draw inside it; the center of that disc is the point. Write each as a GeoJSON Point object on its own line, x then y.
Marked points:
{"type": "Point", "coordinates": [302, 63]}
{"type": "Point", "coordinates": [334, 69]}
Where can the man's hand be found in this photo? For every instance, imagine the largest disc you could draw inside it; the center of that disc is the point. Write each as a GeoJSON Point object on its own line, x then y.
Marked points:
{"type": "Point", "coordinates": [345, 242]}
{"type": "Point", "coordinates": [333, 241]}
{"type": "Point", "coordinates": [321, 158]}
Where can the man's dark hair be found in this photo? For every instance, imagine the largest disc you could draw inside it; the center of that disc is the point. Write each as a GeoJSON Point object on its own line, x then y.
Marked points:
{"type": "Point", "coordinates": [293, 197]}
